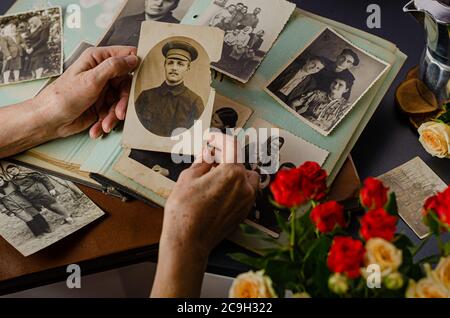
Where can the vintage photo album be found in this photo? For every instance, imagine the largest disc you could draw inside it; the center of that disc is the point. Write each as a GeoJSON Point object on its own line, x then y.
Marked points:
{"type": "Point", "coordinates": [322, 98]}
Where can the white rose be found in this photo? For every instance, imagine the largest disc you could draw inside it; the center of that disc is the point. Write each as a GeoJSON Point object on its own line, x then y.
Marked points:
{"type": "Point", "coordinates": [441, 274]}
{"type": "Point", "coordinates": [426, 288]}
{"type": "Point", "coordinates": [384, 254]}
{"type": "Point", "coordinates": [252, 285]}
{"type": "Point", "coordinates": [435, 138]}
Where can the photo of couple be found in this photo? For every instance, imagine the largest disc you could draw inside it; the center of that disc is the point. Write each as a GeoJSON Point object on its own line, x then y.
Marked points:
{"type": "Point", "coordinates": [30, 46]}
{"type": "Point", "coordinates": [324, 82]}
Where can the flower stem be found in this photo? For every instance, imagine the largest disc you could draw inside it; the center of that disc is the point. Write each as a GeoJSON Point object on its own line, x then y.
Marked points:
{"type": "Point", "coordinates": [292, 238]}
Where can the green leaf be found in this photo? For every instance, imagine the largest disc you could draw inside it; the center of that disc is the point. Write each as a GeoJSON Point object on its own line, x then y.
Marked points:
{"type": "Point", "coordinates": [254, 262]}
{"type": "Point", "coordinates": [445, 117]}
{"type": "Point", "coordinates": [446, 249]}
{"type": "Point", "coordinates": [391, 206]}
{"type": "Point", "coordinates": [282, 223]}
{"type": "Point", "coordinates": [433, 223]}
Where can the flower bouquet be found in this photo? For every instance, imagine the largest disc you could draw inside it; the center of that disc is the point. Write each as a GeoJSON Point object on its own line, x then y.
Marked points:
{"type": "Point", "coordinates": [328, 252]}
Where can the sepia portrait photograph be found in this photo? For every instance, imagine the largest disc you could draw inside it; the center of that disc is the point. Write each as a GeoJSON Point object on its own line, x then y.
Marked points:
{"type": "Point", "coordinates": [324, 82]}
{"type": "Point", "coordinates": [38, 210]}
{"type": "Point", "coordinates": [229, 114]}
{"type": "Point", "coordinates": [127, 27]}
{"type": "Point", "coordinates": [31, 46]}
{"type": "Point", "coordinates": [251, 27]}
{"type": "Point", "coordinates": [171, 93]}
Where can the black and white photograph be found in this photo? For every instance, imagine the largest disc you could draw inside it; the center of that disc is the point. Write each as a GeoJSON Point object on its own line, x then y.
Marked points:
{"type": "Point", "coordinates": [127, 27]}
{"type": "Point", "coordinates": [269, 154]}
{"type": "Point", "coordinates": [251, 27]}
{"type": "Point", "coordinates": [323, 83]}
{"type": "Point", "coordinates": [38, 210]}
{"type": "Point", "coordinates": [31, 46]}
{"type": "Point", "coordinates": [171, 95]}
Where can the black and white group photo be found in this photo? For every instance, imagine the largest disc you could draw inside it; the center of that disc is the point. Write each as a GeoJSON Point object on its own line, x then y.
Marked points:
{"type": "Point", "coordinates": [250, 31]}
{"type": "Point", "coordinates": [31, 46]}
{"type": "Point", "coordinates": [127, 27]}
{"type": "Point", "coordinates": [325, 81]}
{"type": "Point", "coordinates": [37, 210]}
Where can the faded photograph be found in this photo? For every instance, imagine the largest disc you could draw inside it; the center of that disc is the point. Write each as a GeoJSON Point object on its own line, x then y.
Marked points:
{"type": "Point", "coordinates": [172, 104]}
{"type": "Point", "coordinates": [31, 46]}
{"type": "Point", "coordinates": [324, 82]}
{"type": "Point", "coordinates": [37, 210]}
{"type": "Point", "coordinates": [171, 95]}
{"type": "Point", "coordinates": [228, 114]}
{"type": "Point", "coordinates": [127, 28]}
{"type": "Point", "coordinates": [251, 27]}
{"type": "Point", "coordinates": [413, 183]}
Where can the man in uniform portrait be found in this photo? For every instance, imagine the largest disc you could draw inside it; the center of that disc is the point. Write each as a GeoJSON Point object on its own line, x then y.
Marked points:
{"type": "Point", "coordinates": [172, 105]}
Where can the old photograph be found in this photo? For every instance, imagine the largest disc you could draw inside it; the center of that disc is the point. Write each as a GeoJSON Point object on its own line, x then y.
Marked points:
{"type": "Point", "coordinates": [157, 168]}
{"type": "Point", "coordinates": [273, 153]}
{"type": "Point", "coordinates": [323, 83]}
{"type": "Point", "coordinates": [31, 46]}
{"type": "Point", "coordinates": [251, 27]}
{"type": "Point", "coordinates": [413, 182]}
{"type": "Point", "coordinates": [229, 114]}
{"type": "Point", "coordinates": [38, 210]}
{"type": "Point", "coordinates": [127, 27]}
{"type": "Point", "coordinates": [171, 94]}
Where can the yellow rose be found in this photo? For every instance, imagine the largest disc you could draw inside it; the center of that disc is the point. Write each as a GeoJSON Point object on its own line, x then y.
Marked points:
{"type": "Point", "coordinates": [442, 273]}
{"type": "Point", "coordinates": [426, 288]}
{"type": "Point", "coordinates": [435, 138]}
{"type": "Point", "coordinates": [252, 285]}
{"type": "Point", "coordinates": [301, 295]}
{"type": "Point", "coordinates": [383, 254]}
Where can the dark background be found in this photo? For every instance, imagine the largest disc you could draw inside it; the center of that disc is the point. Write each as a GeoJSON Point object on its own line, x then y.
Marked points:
{"type": "Point", "coordinates": [388, 141]}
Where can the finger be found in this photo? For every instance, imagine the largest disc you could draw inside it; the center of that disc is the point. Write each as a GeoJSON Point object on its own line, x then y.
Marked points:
{"type": "Point", "coordinates": [227, 148]}
{"type": "Point", "coordinates": [93, 57]}
{"type": "Point", "coordinates": [111, 68]}
{"type": "Point", "coordinates": [253, 179]}
{"type": "Point", "coordinates": [199, 169]}
{"type": "Point", "coordinates": [110, 121]}
{"type": "Point", "coordinates": [124, 95]}
{"type": "Point", "coordinates": [207, 155]}
{"type": "Point", "coordinates": [96, 130]}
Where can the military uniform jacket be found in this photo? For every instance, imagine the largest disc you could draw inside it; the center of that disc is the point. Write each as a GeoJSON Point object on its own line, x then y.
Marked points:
{"type": "Point", "coordinates": [163, 109]}
{"type": "Point", "coordinates": [35, 187]}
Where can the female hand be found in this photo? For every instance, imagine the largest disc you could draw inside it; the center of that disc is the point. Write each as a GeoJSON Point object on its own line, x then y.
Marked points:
{"type": "Point", "coordinates": [92, 93]}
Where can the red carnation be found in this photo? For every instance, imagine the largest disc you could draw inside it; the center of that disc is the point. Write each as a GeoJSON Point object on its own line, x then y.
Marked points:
{"type": "Point", "coordinates": [374, 194]}
{"type": "Point", "coordinates": [440, 204]}
{"type": "Point", "coordinates": [378, 223]}
{"type": "Point", "coordinates": [295, 187]}
{"type": "Point", "coordinates": [346, 256]}
{"type": "Point", "coordinates": [327, 216]}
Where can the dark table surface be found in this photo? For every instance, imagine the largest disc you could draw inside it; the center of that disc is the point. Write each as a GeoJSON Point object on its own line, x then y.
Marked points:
{"type": "Point", "coordinates": [388, 141]}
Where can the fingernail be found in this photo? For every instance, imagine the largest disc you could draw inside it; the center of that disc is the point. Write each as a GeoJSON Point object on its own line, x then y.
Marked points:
{"type": "Point", "coordinates": [131, 60]}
